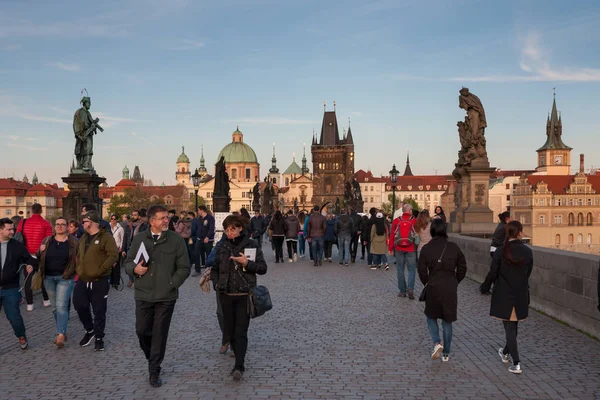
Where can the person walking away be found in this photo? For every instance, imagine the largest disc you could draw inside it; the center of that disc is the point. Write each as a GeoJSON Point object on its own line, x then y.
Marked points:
{"type": "Point", "coordinates": [365, 236]}
{"type": "Point", "coordinates": [439, 214]}
{"type": "Point", "coordinates": [379, 234]}
{"type": "Point", "coordinates": [277, 226]}
{"type": "Point", "coordinates": [316, 235]}
{"type": "Point", "coordinates": [368, 225]}
{"type": "Point", "coordinates": [402, 245]}
{"type": "Point", "coordinates": [206, 236]}
{"type": "Point", "coordinates": [301, 237]}
{"type": "Point", "coordinates": [33, 230]}
{"type": "Point", "coordinates": [157, 283]}
{"type": "Point", "coordinates": [511, 268]}
{"type": "Point", "coordinates": [330, 237]}
{"type": "Point", "coordinates": [354, 235]}
{"type": "Point", "coordinates": [57, 256]}
{"type": "Point", "coordinates": [13, 255]}
{"type": "Point", "coordinates": [344, 230]}
{"type": "Point", "coordinates": [423, 230]}
{"type": "Point", "coordinates": [235, 275]}
{"type": "Point", "coordinates": [118, 234]}
{"type": "Point", "coordinates": [96, 255]}
{"type": "Point", "coordinates": [497, 241]}
{"type": "Point", "coordinates": [257, 228]}
{"type": "Point", "coordinates": [442, 266]}
{"type": "Point", "coordinates": [292, 227]}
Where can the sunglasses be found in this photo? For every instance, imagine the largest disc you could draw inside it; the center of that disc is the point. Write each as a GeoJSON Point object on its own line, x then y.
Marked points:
{"type": "Point", "coordinates": [113, 219]}
{"type": "Point", "coordinates": [60, 225]}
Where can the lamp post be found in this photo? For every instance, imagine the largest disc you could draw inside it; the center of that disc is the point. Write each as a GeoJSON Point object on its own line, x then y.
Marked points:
{"type": "Point", "coordinates": [196, 181]}
{"type": "Point", "coordinates": [394, 180]}
{"type": "Point", "coordinates": [250, 193]}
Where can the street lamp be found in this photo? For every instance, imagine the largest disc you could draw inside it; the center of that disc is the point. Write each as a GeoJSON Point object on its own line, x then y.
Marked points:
{"type": "Point", "coordinates": [196, 181]}
{"type": "Point", "coordinates": [394, 180]}
{"type": "Point", "coordinates": [250, 193]}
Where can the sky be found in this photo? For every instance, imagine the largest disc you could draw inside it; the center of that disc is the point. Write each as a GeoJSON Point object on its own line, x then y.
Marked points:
{"type": "Point", "coordinates": [166, 74]}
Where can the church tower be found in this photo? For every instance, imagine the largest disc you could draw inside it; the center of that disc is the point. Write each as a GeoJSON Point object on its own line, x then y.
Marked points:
{"type": "Point", "coordinates": [333, 160]}
{"type": "Point", "coordinates": [125, 173]}
{"type": "Point", "coordinates": [183, 168]}
{"type": "Point", "coordinates": [554, 157]}
{"type": "Point", "coordinates": [274, 171]}
{"type": "Point", "coordinates": [202, 170]}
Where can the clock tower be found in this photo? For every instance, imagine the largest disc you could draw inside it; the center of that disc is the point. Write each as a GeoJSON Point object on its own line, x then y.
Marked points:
{"type": "Point", "coordinates": [554, 157]}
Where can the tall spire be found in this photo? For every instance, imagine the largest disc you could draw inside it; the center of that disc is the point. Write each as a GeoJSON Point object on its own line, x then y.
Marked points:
{"type": "Point", "coordinates": [407, 170]}
{"type": "Point", "coordinates": [202, 160]}
{"type": "Point", "coordinates": [554, 129]}
{"type": "Point", "coordinates": [304, 167]}
{"type": "Point", "coordinates": [274, 169]}
{"type": "Point", "coordinates": [349, 138]}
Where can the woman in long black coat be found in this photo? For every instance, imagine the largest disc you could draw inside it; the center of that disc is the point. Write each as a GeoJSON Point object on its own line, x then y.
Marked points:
{"type": "Point", "coordinates": [510, 271]}
{"type": "Point", "coordinates": [442, 266]}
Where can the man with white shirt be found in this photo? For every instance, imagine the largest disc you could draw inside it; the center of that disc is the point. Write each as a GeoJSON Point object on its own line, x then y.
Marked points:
{"type": "Point", "coordinates": [157, 282]}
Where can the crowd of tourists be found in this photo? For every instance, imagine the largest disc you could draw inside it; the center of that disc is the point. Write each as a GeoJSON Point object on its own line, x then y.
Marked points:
{"type": "Point", "coordinates": [79, 260]}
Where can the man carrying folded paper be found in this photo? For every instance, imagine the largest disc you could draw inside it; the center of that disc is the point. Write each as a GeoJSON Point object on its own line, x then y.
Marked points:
{"type": "Point", "coordinates": [159, 262]}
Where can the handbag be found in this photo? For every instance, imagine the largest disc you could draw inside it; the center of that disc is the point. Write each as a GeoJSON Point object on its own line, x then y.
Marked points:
{"type": "Point", "coordinates": [36, 280]}
{"type": "Point", "coordinates": [259, 298]}
{"type": "Point", "coordinates": [423, 295]}
{"type": "Point", "coordinates": [205, 280]}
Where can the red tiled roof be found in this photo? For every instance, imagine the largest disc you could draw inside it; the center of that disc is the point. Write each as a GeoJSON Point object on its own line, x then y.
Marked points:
{"type": "Point", "coordinates": [558, 184]}
{"type": "Point", "coordinates": [404, 181]}
{"type": "Point", "coordinates": [10, 183]}
{"type": "Point", "coordinates": [123, 183]}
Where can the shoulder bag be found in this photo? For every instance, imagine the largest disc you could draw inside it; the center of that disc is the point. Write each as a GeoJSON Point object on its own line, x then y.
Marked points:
{"type": "Point", "coordinates": [259, 299]}
{"type": "Point", "coordinates": [423, 295]}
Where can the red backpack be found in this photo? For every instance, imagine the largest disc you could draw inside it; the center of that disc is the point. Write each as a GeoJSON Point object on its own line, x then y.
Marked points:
{"type": "Point", "coordinates": [405, 234]}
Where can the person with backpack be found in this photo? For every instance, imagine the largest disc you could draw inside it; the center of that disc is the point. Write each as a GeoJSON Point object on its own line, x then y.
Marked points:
{"type": "Point", "coordinates": [402, 246]}
{"type": "Point", "coordinates": [379, 234]}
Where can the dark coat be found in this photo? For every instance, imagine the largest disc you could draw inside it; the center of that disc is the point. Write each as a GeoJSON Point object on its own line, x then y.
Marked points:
{"type": "Point", "coordinates": [277, 226]}
{"type": "Point", "coordinates": [442, 300]}
{"type": "Point", "coordinates": [511, 288]}
{"type": "Point", "coordinates": [168, 266]}
{"type": "Point", "coordinates": [223, 271]}
{"type": "Point", "coordinates": [16, 254]}
{"type": "Point", "coordinates": [257, 226]}
{"type": "Point", "coordinates": [499, 235]}
{"type": "Point", "coordinates": [330, 231]}
{"type": "Point", "coordinates": [344, 226]}
{"type": "Point", "coordinates": [69, 268]}
{"type": "Point", "coordinates": [292, 227]}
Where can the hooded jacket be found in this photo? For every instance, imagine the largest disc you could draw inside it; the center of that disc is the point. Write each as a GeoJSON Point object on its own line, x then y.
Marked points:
{"type": "Point", "coordinates": [292, 227]}
{"type": "Point", "coordinates": [101, 255]}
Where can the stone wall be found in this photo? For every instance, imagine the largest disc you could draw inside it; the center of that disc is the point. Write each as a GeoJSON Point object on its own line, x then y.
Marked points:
{"type": "Point", "coordinates": [563, 283]}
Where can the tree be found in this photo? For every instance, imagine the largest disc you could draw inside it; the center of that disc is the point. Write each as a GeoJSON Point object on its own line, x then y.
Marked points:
{"type": "Point", "coordinates": [387, 207]}
{"type": "Point", "coordinates": [118, 205]}
{"type": "Point", "coordinates": [136, 198]}
{"type": "Point", "coordinates": [192, 205]}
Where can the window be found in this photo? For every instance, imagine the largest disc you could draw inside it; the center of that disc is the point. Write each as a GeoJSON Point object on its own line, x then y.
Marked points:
{"type": "Point", "coordinates": [208, 195]}
{"type": "Point", "coordinates": [571, 219]}
{"type": "Point", "coordinates": [589, 202]}
{"type": "Point", "coordinates": [371, 199]}
{"type": "Point", "coordinates": [580, 202]}
{"type": "Point", "coordinates": [589, 239]}
{"type": "Point", "coordinates": [371, 188]}
{"type": "Point", "coordinates": [8, 201]}
{"type": "Point", "coordinates": [234, 173]}
{"type": "Point", "coordinates": [579, 238]}
{"type": "Point", "coordinates": [508, 197]}
{"type": "Point", "coordinates": [507, 186]}
{"type": "Point", "coordinates": [247, 173]}
{"type": "Point", "coordinates": [287, 181]}
{"type": "Point", "coordinates": [243, 195]}
{"type": "Point", "coordinates": [570, 238]}
{"type": "Point", "coordinates": [542, 219]}
{"type": "Point", "coordinates": [580, 219]}
{"type": "Point", "coordinates": [571, 202]}
{"type": "Point", "coordinates": [558, 219]}
{"type": "Point", "coordinates": [557, 239]}
{"type": "Point", "coordinates": [542, 202]}
{"type": "Point", "coordinates": [589, 218]}
{"type": "Point", "coordinates": [8, 212]}
{"type": "Point", "coordinates": [435, 197]}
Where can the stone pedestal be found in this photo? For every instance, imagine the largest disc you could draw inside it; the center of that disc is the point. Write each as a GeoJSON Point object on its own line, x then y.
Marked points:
{"type": "Point", "coordinates": [221, 204]}
{"type": "Point", "coordinates": [473, 214]}
{"type": "Point", "coordinates": [83, 189]}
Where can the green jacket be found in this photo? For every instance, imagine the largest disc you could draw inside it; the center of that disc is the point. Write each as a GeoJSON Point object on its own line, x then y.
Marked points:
{"type": "Point", "coordinates": [168, 266]}
{"type": "Point", "coordinates": [97, 261]}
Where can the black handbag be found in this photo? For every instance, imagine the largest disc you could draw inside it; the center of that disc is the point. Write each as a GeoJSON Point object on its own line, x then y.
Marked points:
{"type": "Point", "coordinates": [259, 298]}
{"type": "Point", "coordinates": [423, 295]}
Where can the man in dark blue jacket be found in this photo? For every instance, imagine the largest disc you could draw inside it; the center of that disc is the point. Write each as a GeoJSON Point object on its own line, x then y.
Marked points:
{"type": "Point", "coordinates": [206, 236]}
{"type": "Point", "coordinates": [13, 255]}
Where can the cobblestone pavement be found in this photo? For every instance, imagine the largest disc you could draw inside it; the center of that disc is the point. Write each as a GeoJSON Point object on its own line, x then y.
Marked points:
{"type": "Point", "coordinates": [334, 333]}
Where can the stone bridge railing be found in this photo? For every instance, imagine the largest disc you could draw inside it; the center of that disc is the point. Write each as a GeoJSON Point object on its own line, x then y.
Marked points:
{"type": "Point", "coordinates": [563, 284]}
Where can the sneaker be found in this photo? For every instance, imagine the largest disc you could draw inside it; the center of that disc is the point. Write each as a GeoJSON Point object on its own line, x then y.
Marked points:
{"type": "Point", "coordinates": [345, 264]}
{"type": "Point", "coordinates": [387, 266]}
{"type": "Point", "coordinates": [87, 339]}
{"type": "Point", "coordinates": [503, 357]}
{"type": "Point", "coordinates": [237, 374]}
{"type": "Point", "coordinates": [515, 369]}
{"type": "Point", "coordinates": [23, 342]}
{"type": "Point", "coordinates": [445, 357]}
{"type": "Point", "coordinates": [47, 303]}
{"type": "Point", "coordinates": [223, 349]}
{"type": "Point", "coordinates": [437, 350]}
{"type": "Point", "coordinates": [296, 257]}
{"type": "Point", "coordinates": [373, 267]}
{"type": "Point", "coordinates": [401, 294]}
{"type": "Point", "coordinates": [99, 345]}
{"type": "Point", "coordinates": [290, 260]}
{"type": "Point", "coordinates": [29, 307]}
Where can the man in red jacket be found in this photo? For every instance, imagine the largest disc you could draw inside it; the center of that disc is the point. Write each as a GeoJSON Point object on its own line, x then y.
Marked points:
{"type": "Point", "coordinates": [401, 245]}
{"type": "Point", "coordinates": [34, 229]}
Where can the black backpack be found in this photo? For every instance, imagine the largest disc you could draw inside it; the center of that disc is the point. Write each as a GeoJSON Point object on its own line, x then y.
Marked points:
{"type": "Point", "coordinates": [19, 237]}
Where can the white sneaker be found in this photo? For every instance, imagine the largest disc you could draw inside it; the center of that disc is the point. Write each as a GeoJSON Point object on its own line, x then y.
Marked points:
{"type": "Point", "coordinates": [515, 369]}
{"type": "Point", "coordinates": [29, 307]}
{"type": "Point", "coordinates": [437, 350]}
{"type": "Point", "coordinates": [289, 260]}
{"type": "Point", "coordinates": [503, 357]}
{"type": "Point", "coordinates": [295, 257]}
{"type": "Point", "coordinates": [47, 303]}
{"type": "Point", "coordinates": [445, 357]}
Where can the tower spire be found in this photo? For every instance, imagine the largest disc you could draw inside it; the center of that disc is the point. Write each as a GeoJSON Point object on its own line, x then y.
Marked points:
{"type": "Point", "coordinates": [304, 168]}
{"type": "Point", "coordinates": [407, 170]}
{"type": "Point", "coordinates": [202, 168]}
{"type": "Point", "coordinates": [274, 169]}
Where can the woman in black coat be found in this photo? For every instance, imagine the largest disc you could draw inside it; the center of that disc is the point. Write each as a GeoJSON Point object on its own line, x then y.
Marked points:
{"type": "Point", "coordinates": [510, 271]}
{"type": "Point", "coordinates": [442, 266]}
{"type": "Point", "coordinates": [238, 260]}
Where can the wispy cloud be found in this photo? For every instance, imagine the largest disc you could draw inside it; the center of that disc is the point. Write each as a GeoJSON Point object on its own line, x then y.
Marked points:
{"type": "Point", "coordinates": [16, 142]}
{"type": "Point", "coordinates": [64, 67]}
{"type": "Point", "coordinates": [186, 44]}
{"type": "Point", "coordinates": [272, 121]}
{"type": "Point", "coordinates": [535, 62]}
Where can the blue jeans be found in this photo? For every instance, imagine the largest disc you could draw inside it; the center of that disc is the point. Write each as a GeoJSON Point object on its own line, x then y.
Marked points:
{"type": "Point", "coordinates": [434, 332]}
{"type": "Point", "coordinates": [344, 248]}
{"type": "Point", "coordinates": [410, 259]}
{"type": "Point", "coordinates": [59, 291]}
{"type": "Point", "coordinates": [301, 245]}
{"type": "Point", "coordinates": [376, 258]}
{"type": "Point", "coordinates": [10, 298]}
{"type": "Point", "coordinates": [317, 245]}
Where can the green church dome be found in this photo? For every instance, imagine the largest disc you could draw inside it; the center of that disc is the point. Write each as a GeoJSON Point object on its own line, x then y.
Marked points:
{"type": "Point", "coordinates": [237, 151]}
{"type": "Point", "coordinates": [183, 158]}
